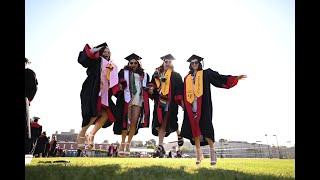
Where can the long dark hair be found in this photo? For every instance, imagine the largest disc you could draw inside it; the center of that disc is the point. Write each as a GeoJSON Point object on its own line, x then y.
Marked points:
{"type": "Point", "coordinates": [101, 50]}
{"type": "Point", "coordinates": [191, 69]}
{"type": "Point", "coordinates": [161, 68]}
{"type": "Point", "coordinates": [139, 70]}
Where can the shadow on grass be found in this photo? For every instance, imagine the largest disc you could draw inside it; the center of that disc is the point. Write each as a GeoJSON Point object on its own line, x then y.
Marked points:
{"type": "Point", "coordinates": [65, 171]}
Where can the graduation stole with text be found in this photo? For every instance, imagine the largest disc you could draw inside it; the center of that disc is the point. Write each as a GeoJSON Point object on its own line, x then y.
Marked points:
{"type": "Point", "coordinates": [198, 86]}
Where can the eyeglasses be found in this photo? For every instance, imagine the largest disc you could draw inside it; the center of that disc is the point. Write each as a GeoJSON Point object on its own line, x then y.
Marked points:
{"type": "Point", "coordinates": [192, 63]}
{"type": "Point", "coordinates": [167, 62]}
{"type": "Point", "coordinates": [133, 62]}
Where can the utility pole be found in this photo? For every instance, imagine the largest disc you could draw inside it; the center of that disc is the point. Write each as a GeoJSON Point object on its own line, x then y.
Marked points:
{"type": "Point", "coordinates": [268, 146]}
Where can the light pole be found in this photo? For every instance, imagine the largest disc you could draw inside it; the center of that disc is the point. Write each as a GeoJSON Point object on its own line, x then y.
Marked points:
{"type": "Point", "coordinates": [259, 142]}
{"type": "Point", "coordinates": [289, 142]}
{"type": "Point", "coordinates": [268, 146]}
{"type": "Point", "coordinates": [279, 152]}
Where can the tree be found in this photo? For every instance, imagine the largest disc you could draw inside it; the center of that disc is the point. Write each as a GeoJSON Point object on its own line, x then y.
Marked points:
{"type": "Point", "coordinates": [150, 142]}
{"type": "Point", "coordinates": [151, 146]}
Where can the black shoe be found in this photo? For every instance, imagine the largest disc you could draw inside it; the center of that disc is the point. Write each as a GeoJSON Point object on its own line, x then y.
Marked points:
{"type": "Point", "coordinates": [159, 152]}
{"type": "Point", "coordinates": [180, 141]}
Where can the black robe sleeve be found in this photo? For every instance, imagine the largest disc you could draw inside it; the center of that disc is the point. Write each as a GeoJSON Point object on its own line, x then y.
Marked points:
{"type": "Point", "coordinates": [122, 81]}
{"type": "Point", "coordinates": [86, 58]}
{"type": "Point", "coordinates": [153, 84]}
{"type": "Point", "coordinates": [221, 81]}
{"type": "Point", "coordinates": [178, 90]}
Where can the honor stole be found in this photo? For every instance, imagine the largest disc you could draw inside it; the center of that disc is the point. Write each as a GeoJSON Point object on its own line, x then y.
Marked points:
{"type": "Point", "coordinates": [189, 94]}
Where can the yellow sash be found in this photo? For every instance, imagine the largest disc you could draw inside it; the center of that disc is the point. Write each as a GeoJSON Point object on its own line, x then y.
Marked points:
{"type": "Point", "coordinates": [198, 86]}
{"type": "Point", "coordinates": [166, 84]}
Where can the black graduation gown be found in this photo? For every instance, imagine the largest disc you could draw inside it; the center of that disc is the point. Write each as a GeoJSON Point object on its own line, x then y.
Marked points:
{"type": "Point", "coordinates": [41, 144]}
{"type": "Point", "coordinates": [122, 106]}
{"type": "Point", "coordinates": [31, 87]}
{"type": "Point", "coordinates": [36, 130]}
{"type": "Point", "coordinates": [91, 87]}
{"type": "Point", "coordinates": [176, 95]}
{"type": "Point", "coordinates": [205, 104]}
{"type": "Point", "coordinates": [31, 84]}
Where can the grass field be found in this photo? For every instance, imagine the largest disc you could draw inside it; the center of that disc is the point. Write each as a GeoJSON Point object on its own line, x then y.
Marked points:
{"type": "Point", "coordinates": [159, 168]}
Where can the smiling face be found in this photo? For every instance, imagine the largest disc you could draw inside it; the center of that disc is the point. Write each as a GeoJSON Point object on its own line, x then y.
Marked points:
{"type": "Point", "coordinates": [106, 53]}
{"type": "Point", "coordinates": [194, 64]}
{"type": "Point", "coordinates": [133, 64]}
{"type": "Point", "coordinates": [167, 63]}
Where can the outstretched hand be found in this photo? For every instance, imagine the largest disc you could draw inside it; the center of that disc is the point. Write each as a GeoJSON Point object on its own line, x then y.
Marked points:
{"type": "Point", "coordinates": [242, 76]}
{"type": "Point", "coordinates": [94, 50]}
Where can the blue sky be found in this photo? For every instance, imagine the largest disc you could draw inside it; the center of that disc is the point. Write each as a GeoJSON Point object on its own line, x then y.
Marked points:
{"type": "Point", "coordinates": [256, 38]}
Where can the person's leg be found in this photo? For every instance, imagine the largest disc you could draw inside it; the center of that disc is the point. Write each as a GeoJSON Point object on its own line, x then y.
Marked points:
{"type": "Point", "coordinates": [180, 139]}
{"type": "Point", "coordinates": [122, 145]}
{"type": "Point", "coordinates": [135, 114]}
{"type": "Point", "coordinates": [199, 152]}
{"type": "Point", "coordinates": [124, 134]}
{"type": "Point", "coordinates": [82, 134]}
{"type": "Point", "coordinates": [98, 124]}
{"type": "Point", "coordinates": [162, 129]}
{"type": "Point", "coordinates": [178, 132]}
{"type": "Point", "coordinates": [160, 151]}
{"type": "Point", "coordinates": [213, 155]}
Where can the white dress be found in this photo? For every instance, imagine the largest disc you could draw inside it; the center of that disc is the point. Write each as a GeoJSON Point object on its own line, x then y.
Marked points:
{"type": "Point", "coordinates": [137, 98]}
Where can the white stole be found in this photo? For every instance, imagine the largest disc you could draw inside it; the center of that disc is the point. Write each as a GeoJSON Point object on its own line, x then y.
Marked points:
{"type": "Point", "coordinates": [113, 80]}
{"type": "Point", "coordinates": [127, 96]}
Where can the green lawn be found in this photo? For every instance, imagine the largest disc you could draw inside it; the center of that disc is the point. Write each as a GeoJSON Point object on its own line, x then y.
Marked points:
{"type": "Point", "coordinates": [159, 168]}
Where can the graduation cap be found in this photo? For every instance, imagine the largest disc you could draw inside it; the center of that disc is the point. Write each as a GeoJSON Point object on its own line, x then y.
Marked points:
{"type": "Point", "coordinates": [102, 45]}
{"type": "Point", "coordinates": [168, 56]}
{"type": "Point", "coordinates": [193, 57]}
{"type": "Point", "coordinates": [27, 61]}
{"type": "Point", "coordinates": [35, 117]}
{"type": "Point", "coordinates": [133, 56]}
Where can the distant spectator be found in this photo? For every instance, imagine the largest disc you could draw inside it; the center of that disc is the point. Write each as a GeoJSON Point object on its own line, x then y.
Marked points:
{"type": "Point", "coordinates": [53, 144]}
{"type": "Point", "coordinates": [79, 151]}
{"type": "Point", "coordinates": [47, 147]}
{"type": "Point", "coordinates": [63, 153]}
{"type": "Point", "coordinates": [41, 145]}
{"type": "Point", "coordinates": [116, 150]}
{"type": "Point", "coordinates": [111, 150]}
{"type": "Point", "coordinates": [36, 130]}
{"type": "Point", "coordinates": [179, 153]}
